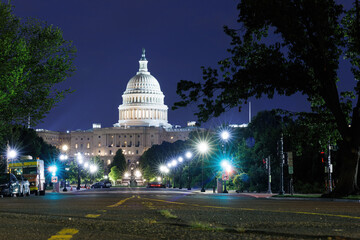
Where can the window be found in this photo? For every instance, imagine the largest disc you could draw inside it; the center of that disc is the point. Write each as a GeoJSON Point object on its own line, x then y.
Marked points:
{"type": "Point", "coordinates": [88, 145]}
{"type": "Point", "coordinates": [81, 139]}
{"type": "Point", "coordinates": [76, 146]}
{"type": "Point", "coordinates": [110, 152]}
{"type": "Point", "coordinates": [99, 144]}
{"type": "Point", "coordinates": [108, 162]}
{"type": "Point", "coordinates": [88, 138]}
{"type": "Point", "coordinates": [137, 151]}
{"type": "Point", "coordinates": [99, 136]}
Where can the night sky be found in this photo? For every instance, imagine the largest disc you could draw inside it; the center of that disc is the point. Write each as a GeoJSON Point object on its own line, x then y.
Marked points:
{"type": "Point", "coordinates": [179, 38]}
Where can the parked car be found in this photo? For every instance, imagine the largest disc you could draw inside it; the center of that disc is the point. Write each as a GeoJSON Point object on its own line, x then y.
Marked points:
{"type": "Point", "coordinates": [24, 185]}
{"type": "Point", "coordinates": [102, 184]}
{"type": "Point", "coordinates": [98, 185]}
{"type": "Point", "coordinates": [9, 185]}
{"type": "Point", "coordinates": [155, 185]}
{"type": "Point", "coordinates": [107, 184]}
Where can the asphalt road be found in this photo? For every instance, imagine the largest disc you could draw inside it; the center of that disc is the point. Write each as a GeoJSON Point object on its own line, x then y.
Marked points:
{"type": "Point", "coordinates": [172, 214]}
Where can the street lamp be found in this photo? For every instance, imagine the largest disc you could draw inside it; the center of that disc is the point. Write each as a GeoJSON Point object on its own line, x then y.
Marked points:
{"type": "Point", "coordinates": [180, 160]}
{"type": "Point", "coordinates": [225, 136]}
{"type": "Point", "coordinates": [188, 155]}
{"type": "Point", "coordinates": [203, 147]}
{"type": "Point", "coordinates": [164, 170]}
{"type": "Point", "coordinates": [227, 169]}
{"type": "Point", "coordinates": [79, 161]}
{"type": "Point", "coordinates": [10, 155]}
{"type": "Point", "coordinates": [174, 164]}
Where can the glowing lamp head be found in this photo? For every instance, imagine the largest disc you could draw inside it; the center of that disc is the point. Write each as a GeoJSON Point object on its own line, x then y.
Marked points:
{"type": "Point", "coordinates": [225, 135]}
{"type": "Point", "coordinates": [93, 168]}
{"type": "Point", "coordinates": [188, 155]}
{"type": "Point", "coordinates": [203, 147]}
{"type": "Point", "coordinates": [63, 157]}
{"type": "Point", "coordinates": [86, 165]}
{"type": "Point", "coordinates": [180, 159]}
{"type": "Point", "coordinates": [169, 165]}
{"type": "Point", "coordinates": [11, 154]}
{"type": "Point", "coordinates": [174, 163]}
{"type": "Point", "coordinates": [226, 166]}
{"type": "Point", "coordinates": [137, 173]}
{"type": "Point", "coordinates": [159, 179]}
{"type": "Point", "coordinates": [126, 175]}
{"type": "Point", "coordinates": [64, 148]}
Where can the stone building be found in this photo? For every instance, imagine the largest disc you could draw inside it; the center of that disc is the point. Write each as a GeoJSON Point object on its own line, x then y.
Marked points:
{"type": "Point", "coordinates": [143, 122]}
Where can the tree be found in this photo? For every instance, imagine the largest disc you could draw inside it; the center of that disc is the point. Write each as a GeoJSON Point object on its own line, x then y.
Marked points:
{"type": "Point", "coordinates": [288, 47]}
{"type": "Point", "coordinates": [34, 57]}
{"type": "Point", "coordinates": [119, 161]}
{"type": "Point", "coordinates": [114, 174]}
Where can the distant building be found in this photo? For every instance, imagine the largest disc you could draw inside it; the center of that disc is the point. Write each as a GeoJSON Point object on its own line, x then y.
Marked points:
{"type": "Point", "coordinates": [143, 122]}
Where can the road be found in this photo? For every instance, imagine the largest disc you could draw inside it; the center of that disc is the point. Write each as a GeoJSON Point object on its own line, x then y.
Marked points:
{"type": "Point", "coordinates": [124, 213]}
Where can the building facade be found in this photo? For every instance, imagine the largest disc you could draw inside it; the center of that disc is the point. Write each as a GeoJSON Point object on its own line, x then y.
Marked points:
{"type": "Point", "coordinates": [143, 122]}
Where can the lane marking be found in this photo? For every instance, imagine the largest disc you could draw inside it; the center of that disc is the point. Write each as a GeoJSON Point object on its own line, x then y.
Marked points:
{"type": "Point", "coordinates": [92, 215]}
{"type": "Point", "coordinates": [120, 202]}
{"type": "Point", "coordinates": [66, 233]}
{"type": "Point", "coordinates": [252, 209]}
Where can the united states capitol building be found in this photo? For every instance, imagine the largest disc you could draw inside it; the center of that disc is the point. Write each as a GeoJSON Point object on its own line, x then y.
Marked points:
{"type": "Point", "coordinates": [143, 122]}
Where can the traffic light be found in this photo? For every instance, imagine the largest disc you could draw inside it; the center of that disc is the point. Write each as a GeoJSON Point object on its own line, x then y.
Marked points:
{"type": "Point", "coordinates": [322, 157]}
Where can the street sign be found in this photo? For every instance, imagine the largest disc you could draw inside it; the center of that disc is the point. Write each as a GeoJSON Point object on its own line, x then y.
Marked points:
{"type": "Point", "coordinates": [54, 179]}
{"type": "Point", "coordinates": [291, 170]}
{"type": "Point", "coordinates": [225, 177]}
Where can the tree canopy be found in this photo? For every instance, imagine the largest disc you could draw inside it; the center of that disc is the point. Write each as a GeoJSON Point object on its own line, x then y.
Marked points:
{"type": "Point", "coordinates": [34, 57]}
{"type": "Point", "coordinates": [286, 47]}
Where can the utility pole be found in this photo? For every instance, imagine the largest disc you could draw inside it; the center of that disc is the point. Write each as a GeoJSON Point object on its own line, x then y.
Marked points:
{"type": "Point", "coordinates": [282, 161]}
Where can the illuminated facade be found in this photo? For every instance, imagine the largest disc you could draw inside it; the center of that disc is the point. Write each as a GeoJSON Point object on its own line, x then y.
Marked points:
{"type": "Point", "coordinates": [142, 123]}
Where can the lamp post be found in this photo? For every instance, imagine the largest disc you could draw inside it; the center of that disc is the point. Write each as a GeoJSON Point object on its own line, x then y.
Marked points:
{"type": "Point", "coordinates": [174, 164]}
{"type": "Point", "coordinates": [188, 155]}
{"type": "Point", "coordinates": [225, 136]}
{"type": "Point", "coordinates": [64, 157]}
{"type": "Point", "coordinates": [10, 155]}
{"type": "Point", "coordinates": [164, 170]}
{"type": "Point", "coordinates": [203, 147]}
{"type": "Point", "coordinates": [79, 161]}
{"type": "Point", "coordinates": [180, 160]}
{"type": "Point", "coordinates": [226, 166]}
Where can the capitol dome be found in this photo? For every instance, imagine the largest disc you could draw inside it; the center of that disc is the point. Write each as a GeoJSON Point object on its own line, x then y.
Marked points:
{"type": "Point", "coordinates": [143, 100]}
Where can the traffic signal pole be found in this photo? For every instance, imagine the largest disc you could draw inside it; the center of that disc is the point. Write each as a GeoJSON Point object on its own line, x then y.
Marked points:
{"type": "Point", "coordinates": [329, 169]}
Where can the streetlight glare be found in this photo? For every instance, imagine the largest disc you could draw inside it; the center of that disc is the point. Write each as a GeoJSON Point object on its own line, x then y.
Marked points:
{"type": "Point", "coordinates": [174, 163]}
{"type": "Point", "coordinates": [11, 154]}
{"type": "Point", "coordinates": [63, 157]}
{"type": "Point", "coordinates": [203, 147]}
{"type": "Point", "coordinates": [226, 166]}
{"type": "Point", "coordinates": [180, 159]}
{"type": "Point", "coordinates": [65, 148]}
{"type": "Point", "coordinates": [225, 135]}
{"type": "Point", "coordinates": [188, 155]}
{"type": "Point", "coordinates": [93, 168]}
{"type": "Point", "coordinates": [137, 173]}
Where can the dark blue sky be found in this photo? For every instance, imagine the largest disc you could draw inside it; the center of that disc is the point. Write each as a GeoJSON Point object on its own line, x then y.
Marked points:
{"type": "Point", "coordinates": [179, 38]}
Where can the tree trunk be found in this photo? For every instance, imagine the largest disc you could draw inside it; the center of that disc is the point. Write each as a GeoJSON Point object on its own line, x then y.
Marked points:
{"type": "Point", "coordinates": [349, 162]}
